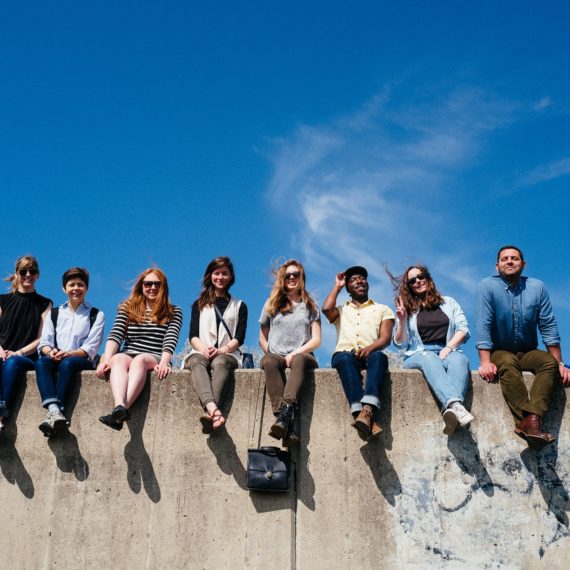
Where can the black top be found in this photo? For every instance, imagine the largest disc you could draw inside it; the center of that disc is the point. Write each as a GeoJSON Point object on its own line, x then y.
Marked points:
{"type": "Point", "coordinates": [222, 304]}
{"type": "Point", "coordinates": [432, 326]}
{"type": "Point", "coordinates": [21, 318]}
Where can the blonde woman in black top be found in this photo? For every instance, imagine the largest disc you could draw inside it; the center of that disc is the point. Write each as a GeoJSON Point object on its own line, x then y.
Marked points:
{"type": "Point", "coordinates": [21, 318]}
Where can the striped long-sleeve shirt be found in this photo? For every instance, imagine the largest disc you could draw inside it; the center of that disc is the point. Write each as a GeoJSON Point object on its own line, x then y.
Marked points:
{"type": "Point", "coordinates": [146, 337]}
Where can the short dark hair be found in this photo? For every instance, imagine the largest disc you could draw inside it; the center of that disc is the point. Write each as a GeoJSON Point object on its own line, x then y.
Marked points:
{"type": "Point", "coordinates": [510, 247]}
{"type": "Point", "coordinates": [75, 273]}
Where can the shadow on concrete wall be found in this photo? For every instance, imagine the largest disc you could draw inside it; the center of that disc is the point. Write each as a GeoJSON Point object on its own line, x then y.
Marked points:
{"type": "Point", "coordinates": [542, 465]}
{"type": "Point", "coordinates": [221, 443]}
{"type": "Point", "coordinates": [140, 472]}
{"type": "Point", "coordinates": [300, 453]}
{"type": "Point", "coordinates": [374, 451]}
{"type": "Point", "coordinates": [65, 447]}
{"type": "Point", "coordinates": [11, 464]}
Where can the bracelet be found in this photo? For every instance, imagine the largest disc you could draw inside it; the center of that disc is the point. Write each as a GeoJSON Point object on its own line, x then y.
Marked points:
{"type": "Point", "coordinates": [450, 348]}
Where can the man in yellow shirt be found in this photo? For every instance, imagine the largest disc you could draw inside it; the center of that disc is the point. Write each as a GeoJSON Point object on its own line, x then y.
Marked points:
{"type": "Point", "coordinates": [363, 329]}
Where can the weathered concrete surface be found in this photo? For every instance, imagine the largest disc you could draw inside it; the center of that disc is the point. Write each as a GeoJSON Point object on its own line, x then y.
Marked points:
{"type": "Point", "coordinates": [161, 494]}
{"type": "Point", "coordinates": [415, 498]}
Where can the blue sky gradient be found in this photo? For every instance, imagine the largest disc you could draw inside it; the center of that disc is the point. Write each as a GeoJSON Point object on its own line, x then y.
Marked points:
{"type": "Point", "coordinates": [140, 133]}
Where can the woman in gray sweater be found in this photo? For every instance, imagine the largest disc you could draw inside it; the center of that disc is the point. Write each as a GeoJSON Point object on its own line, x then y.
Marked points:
{"type": "Point", "coordinates": [290, 332]}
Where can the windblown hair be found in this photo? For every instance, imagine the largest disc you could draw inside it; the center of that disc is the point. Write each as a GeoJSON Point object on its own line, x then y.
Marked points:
{"type": "Point", "coordinates": [207, 297]}
{"type": "Point", "coordinates": [135, 305]}
{"type": "Point", "coordinates": [279, 300]}
{"type": "Point", "coordinates": [24, 262]}
{"type": "Point", "coordinates": [412, 302]}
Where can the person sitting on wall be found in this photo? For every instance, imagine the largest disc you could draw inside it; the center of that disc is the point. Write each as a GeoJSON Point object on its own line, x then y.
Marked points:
{"type": "Point", "coordinates": [430, 330]}
{"type": "Point", "coordinates": [218, 326]}
{"type": "Point", "coordinates": [290, 332]}
{"type": "Point", "coordinates": [71, 337]}
{"type": "Point", "coordinates": [510, 307]}
{"type": "Point", "coordinates": [21, 319]}
{"type": "Point", "coordinates": [363, 328]}
{"type": "Point", "coordinates": [143, 339]}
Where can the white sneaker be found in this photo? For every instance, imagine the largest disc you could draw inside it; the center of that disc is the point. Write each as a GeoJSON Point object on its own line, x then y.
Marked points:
{"type": "Point", "coordinates": [54, 422]}
{"type": "Point", "coordinates": [450, 420]}
{"type": "Point", "coordinates": [463, 416]}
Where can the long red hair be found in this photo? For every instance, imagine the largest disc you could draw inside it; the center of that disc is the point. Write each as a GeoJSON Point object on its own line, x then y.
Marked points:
{"type": "Point", "coordinates": [135, 304]}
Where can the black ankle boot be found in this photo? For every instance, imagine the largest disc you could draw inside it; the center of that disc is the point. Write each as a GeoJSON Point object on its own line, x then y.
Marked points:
{"type": "Point", "coordinates": [284, 418]}
{"type": "Point", "coordinates": [291, 437]}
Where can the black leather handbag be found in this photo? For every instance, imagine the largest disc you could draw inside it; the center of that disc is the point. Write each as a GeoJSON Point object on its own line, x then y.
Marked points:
{"type": "Point", "coordinates": [269, 469]}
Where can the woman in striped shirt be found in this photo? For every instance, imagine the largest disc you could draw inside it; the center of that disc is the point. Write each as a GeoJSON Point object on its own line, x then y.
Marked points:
{"type": "Point", "coordinates": [143, 338]}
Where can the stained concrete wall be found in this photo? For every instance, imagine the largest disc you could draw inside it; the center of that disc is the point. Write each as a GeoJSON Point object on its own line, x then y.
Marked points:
{"type": "Point", "coordinates": [161, 494]}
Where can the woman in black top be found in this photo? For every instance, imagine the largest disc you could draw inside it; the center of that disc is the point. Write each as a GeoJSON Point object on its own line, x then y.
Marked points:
{"type": "Point", "coordinates": [215, 350]}
{"type": "Point", "coordinates": [21, 318]}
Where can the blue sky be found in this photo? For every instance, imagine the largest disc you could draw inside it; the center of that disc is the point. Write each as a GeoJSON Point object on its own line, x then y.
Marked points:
{"type": "Point", "coordinates": [141, 133]}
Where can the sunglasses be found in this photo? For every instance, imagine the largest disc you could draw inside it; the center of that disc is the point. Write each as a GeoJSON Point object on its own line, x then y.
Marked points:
{"type": "Point", "coordinates": [294, 274]}
{"type": "Point", "coordinates": [149, 284]}
{"type": "Point", "coordinates": [418, 277]}
{"type": "Point", "coordinates": [24, 272]}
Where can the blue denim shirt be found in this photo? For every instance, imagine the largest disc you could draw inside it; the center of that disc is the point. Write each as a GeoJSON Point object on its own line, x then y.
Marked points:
{"type": "Point", "coordinates": [457, 322]}
{"type": "Point", "coordinates": [507, 317]}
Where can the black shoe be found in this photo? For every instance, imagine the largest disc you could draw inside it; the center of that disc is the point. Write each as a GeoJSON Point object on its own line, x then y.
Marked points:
{"type": "Point", "coordinates": [109, 421]}
{"type": "Point", "coordinates": [291, 437]}
{"type": "Point", "coordinates": [286, 415]}
{"type": "Point", "coordinates": [121, 414]}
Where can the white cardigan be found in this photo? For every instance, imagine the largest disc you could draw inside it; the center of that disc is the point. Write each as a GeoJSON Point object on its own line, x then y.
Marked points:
{"type": "Point", "coordinates": [208, 333]}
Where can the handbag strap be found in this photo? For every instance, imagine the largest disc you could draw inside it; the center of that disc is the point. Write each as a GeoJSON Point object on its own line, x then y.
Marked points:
{"type": "Point", "coordinates": [219, 313]}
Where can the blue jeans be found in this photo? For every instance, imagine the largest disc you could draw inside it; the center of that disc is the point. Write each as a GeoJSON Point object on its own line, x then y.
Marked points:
{"type": "Point", "coordinates": [54, 378]}
{"type": "Point", "coordinates": [447, 378]}
{"type": "Point", "coordinates": [350, 368]}
{"type": "Point", "coordinates": [12, 371]}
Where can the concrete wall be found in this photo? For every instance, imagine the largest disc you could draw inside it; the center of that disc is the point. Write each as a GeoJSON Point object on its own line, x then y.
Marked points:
{"type": "Point", "coordinates": [161, 494]}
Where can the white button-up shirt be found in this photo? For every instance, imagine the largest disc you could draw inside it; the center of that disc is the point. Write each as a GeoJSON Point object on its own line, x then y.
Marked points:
{"type": "Point", "coordinates": [73, 330]}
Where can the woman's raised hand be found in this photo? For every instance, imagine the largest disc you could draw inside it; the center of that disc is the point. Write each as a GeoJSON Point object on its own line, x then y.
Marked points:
{"type": "Point", "coordinates": [401, 312]}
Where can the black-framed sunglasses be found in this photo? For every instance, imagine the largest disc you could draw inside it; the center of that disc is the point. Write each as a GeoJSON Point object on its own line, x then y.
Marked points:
{"type": "Point", "coordinates": [294, 274]}
{"type": "Point", "coordinates": [418, 277]}
{"type": "Point", "coordinates": [24, 272]}
{"type": "Point", "coordinates": [149, 284]}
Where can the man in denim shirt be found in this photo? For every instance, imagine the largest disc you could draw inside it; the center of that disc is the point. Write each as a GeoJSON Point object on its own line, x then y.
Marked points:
{"type": "Point", "coordinates": [509, 310]}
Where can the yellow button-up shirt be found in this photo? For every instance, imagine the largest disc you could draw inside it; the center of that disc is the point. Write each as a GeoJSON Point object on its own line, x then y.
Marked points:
{"type": "Point", "coordinates": [357, 327]}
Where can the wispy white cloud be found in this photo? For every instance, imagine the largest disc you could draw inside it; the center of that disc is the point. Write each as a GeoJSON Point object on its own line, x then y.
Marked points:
{"type": "Point", "coordinates": [374, 186]}
{"type": "Point", "coordinates": [546, 172]}
{"type": "Point", "coordinates": [544, 103]}
{"type": "Point", "coordinates": [370, 185]}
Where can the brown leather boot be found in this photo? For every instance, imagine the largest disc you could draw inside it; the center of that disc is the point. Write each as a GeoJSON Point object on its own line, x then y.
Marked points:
{"type": "Point", "coordinates": [375, 429]}
{"type": "Point", "coordinates": [530, 428]}
{"type": "Point", "coordinates": [363, 422]}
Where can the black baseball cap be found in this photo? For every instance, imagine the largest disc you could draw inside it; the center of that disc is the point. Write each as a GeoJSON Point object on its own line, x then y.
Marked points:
{"type": "Point", "coordinates": [355, 270]}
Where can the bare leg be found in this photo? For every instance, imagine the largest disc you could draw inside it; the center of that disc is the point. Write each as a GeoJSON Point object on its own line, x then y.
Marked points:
{"type": "Point", "coordinates": [140, 365]}
{"type": "Point", "coordinates": [119, 379]}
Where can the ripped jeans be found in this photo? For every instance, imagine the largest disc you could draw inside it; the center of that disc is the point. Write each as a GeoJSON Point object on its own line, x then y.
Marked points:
{"type": "Point", "coordinates": [447, 378]}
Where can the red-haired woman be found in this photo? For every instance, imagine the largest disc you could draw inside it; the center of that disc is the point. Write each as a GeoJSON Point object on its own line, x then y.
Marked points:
{"type": "Point", "coordinates": [143, 338]}
{"type": "Point", "coordinates": [290, 332]}
{"type": "Point", "coordinates": [430, 328]}
{"type": "Point", "coordinates": [21, 318]}
{"type": "Point", "coordinates": [214, 344]}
